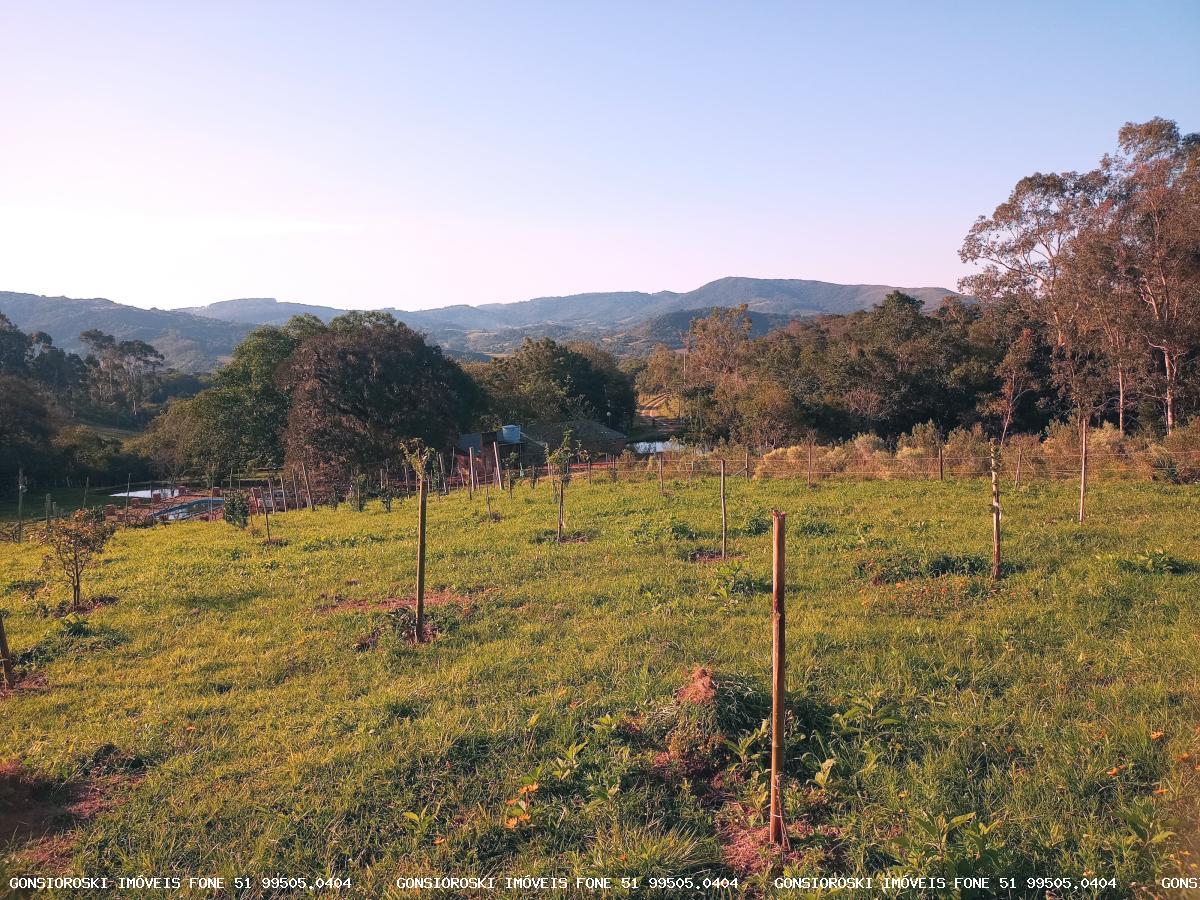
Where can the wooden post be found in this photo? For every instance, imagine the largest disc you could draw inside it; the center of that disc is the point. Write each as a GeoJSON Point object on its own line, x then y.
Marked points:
{"type": "Point", "coordinates": [747, 463]}
{"type": "Point", "coordinates": [562, 500]}
{"type": "Point", "coordinates": [283, 492]}
{"type": "Point", "coordinates": [941, 463]}
{"type": "Point", "coordinates": [266, 512]}
{"type": "Point", "coordinates": [1083, 468]}
{"type": "Point", "coordinates": [423, 488]}
{"type": "Point", "coordinates": [20, 505]}
{"type": "Point", "coordinates": [724, 516]}
{"type": "Point", "coordinates": [995, 517]}
{"type": "Point", "coordinates": [499, 474]}
{"type": "Point", "coordinates": [295, 490]}
{"type": "Point", "coordinates": [778, 830]}
{"type": "Point", "coordinates": [1020, 456]}
{"type": "Point", "coordinates": [471, 466]}
{"type": "Point", "coordinates": [589, 469]}
{"type": "Point", "coordinates": [129, 492]}
{"type": "Point", "coordinates": [307, 486]}
{"type": "Point", "coordinates": [810, 465]}
{"type": "Point", "coordinates": [6, 665]}
{"type": "Point", "coordinates": [211, 497]}
{"type": "Point", "coordinates": [487, 493]}
{"type": "Point", "coordinates": [661, 489]}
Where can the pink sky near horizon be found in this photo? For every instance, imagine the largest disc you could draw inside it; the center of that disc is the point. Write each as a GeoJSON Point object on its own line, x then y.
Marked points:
{"type": "Point", "coordinates": [377, 154]}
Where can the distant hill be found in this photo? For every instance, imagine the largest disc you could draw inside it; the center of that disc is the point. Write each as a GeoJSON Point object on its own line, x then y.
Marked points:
{"type": "Point", "coordinates": [197, 338]}
{"type": "Point", "coordinates": [189, 343]}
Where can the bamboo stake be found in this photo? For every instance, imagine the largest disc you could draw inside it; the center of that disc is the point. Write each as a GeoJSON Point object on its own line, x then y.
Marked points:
{"type": "Point", "coordinates": [266, 512]}
{"type": "Point", "coordinates": [810, 465]}
{"type": "Point", "coordinates": [6, 665]}
{"type": "Point", "coordinates": [423, 487]}
{"type": "Point", "coordinates": [471, 466]}
{"type": "Point", "coordinates": [747, 463]}
{"type": "Point", "coordinates": [499, 475]}
{"type": "Point", "coordinates": [661, 489]}
{"type": "Point", "coordinates": [562, 491]}
{"type": "Point", "coordinates": [995, 517]}
{"type": "Point", "coordinates": [20, 505]}
{"type": "Point", "coordinates": [941, 463]}
{"type": "Point", "coordinates": [778, 830]}
{"type": "Point", "coordinates": [1020, 456]}
{"type": "Point", "coordinates": [1083, 470]}
{"type": "Point", "coordinates": [724, 516]}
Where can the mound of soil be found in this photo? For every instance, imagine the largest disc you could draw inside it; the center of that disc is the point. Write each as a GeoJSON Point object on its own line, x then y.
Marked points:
{"type": "Point", "coordinates": [700, 689]}
{"type": "Point", "coordinates": [37, 815]}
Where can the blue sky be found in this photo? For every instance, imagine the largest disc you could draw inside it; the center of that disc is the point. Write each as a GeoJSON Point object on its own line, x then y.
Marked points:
{"type": "Point", "coordinates": [416, 155]}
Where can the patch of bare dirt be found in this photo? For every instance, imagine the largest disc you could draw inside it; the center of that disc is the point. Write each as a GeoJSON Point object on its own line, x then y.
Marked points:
{"type": "Point", "coordinates": [38, 816]}
{"type": "Point", "coordinates": [26, 683]}
{"type": "Point", "coordinates": [746, 846]}
{"type": "Point", "coordinates": [334, 603]}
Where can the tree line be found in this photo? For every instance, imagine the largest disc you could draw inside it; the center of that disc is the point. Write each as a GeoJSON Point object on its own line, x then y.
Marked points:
{"type": "Point", "coordinates": [341, 398]}
{"type": "Point", "coordinates": [51, 400]}
{"type": "Point", "coordinates": [1086, 305]}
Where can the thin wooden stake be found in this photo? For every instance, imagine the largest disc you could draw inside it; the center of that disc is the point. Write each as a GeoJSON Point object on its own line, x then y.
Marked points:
{"type": "Point", "coordinates": [499, 474]}
{"type": "Point", "coordinates": [724, 516]}
{"type": "Point", "coordinates": [1083, 470]}
{"type": "Point", "coordinates": [778, 829]}
{"type": "Point", "coordinates": [129, 493]}
{"type": "Point", "coordinates": [810, 465]}
{"type": "Point", "coordinates": [1020, 456]}
{"type": "Point", "coordinates": [295, 490]}
{"type": "Point", "coordinates": [423, 488]}
{"type": "Point", "coordinates": [20, 505]}
{"type": "Point", "coordinates": [562, 492]}
{"type": "Point", "coordinates": [747, 463]}
{"type": "Point", "coordinates": [266, 512]}
{"type": "Point", "coordinates": [941, 463]}
{"type": "Point", "coordinates": [661, 489]}
{"type": "Point", "coordinates": [995, 517]}
{"type": "Point", "coordinates": [87, 486]}
{"type": "Point", "coordinates": [471, 466]}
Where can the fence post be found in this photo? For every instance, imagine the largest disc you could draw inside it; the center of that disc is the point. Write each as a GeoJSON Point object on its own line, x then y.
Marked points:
{"type": "Point", "coordinates": [307, 486]}
{"type": "Point", "coordinates": [6, 666]}
{"type": "Point", "coordinates": [724, 515]}
{"type": "Point", "coordinates": [778, 679]}
{"type": "Point", "coordinates": [995, 517]}
{"type": "Point", "coordinates": [423, 488]}
{"type": "Point", "coordinates": [941, 463]}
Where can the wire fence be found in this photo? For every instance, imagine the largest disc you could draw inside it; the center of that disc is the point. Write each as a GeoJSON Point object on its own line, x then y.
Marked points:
{"type": "Point", "coordinates": [291, 488]}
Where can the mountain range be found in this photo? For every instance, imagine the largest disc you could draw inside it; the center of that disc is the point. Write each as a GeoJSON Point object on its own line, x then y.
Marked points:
{"type": "Point", "coordinates": [197, 338]}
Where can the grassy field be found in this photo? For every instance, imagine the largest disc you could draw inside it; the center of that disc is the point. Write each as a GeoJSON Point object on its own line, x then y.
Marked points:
{"type": "Point", "coordinates": [252, 710]}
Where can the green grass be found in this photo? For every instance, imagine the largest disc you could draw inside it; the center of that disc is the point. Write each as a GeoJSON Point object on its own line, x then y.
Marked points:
{"type": "Point", "coordinates": [270, 745]}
